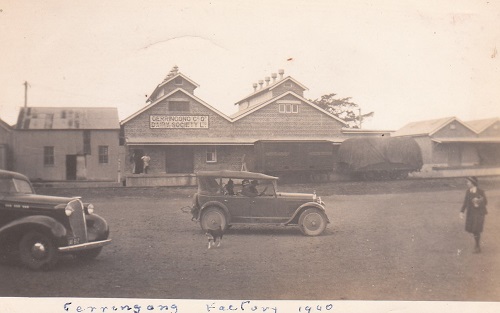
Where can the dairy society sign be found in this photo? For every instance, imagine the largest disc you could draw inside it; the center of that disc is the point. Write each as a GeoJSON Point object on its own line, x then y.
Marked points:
{"type": "Point", "coordinates": [178, 121]}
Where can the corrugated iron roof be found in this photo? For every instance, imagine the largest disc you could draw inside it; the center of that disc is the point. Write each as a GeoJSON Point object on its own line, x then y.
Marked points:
{"type": "Point", "coordinates": [466, 140]}
{"type": "Point", "coordinates": [4, 125]}
{"type": "Point", "coordinates": [68, 118]}
{"type": "Point", "coordinates": [482, 125]}
{"type": "Point", "coordinates": [423, 127]}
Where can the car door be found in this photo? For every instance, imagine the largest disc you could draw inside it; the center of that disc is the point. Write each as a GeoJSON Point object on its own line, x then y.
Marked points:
{"type": "Point", "coordinates": [238, 206]}
{"type": "Point", "coordinates": [265, 208]}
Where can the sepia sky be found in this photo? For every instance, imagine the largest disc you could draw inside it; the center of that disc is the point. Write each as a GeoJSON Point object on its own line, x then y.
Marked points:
{"type": "Point", "coordinates": [404, 60]}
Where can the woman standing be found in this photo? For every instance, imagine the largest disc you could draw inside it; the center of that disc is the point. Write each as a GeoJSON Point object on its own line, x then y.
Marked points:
{"type": "Point", "coordinates": [475, 207]}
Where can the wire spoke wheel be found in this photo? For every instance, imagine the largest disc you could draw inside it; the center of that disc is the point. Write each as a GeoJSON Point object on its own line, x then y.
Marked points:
{"type": "Point", "coordinates": [312, 222]}
{"type": "Point", "coordinates": [212, 218]}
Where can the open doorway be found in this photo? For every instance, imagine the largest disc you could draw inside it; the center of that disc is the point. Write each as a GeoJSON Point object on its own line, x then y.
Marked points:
{"type": "Point", "coordinates": [138, 164]}
{"type": "Point", "coordinates": [70, 167]}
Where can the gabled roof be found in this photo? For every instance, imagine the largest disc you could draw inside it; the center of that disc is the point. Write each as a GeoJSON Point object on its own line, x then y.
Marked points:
{"type": "Point", "coordinates": [169, 79]}
{"type": "Point", "coordinates": [5, 126]}
{"type": "Point", "coordinates": [482, 125]}
{"type": "Point", "coordinates": [208, 106]}
{"type": "Point", "coordinates": [247, 111]}
{"type": "Point", "coordinates": [427, 128]}
{"type": "Point", "coordinates": [271, 87]}
{"type": "Point", "coordinates": [67, 118]}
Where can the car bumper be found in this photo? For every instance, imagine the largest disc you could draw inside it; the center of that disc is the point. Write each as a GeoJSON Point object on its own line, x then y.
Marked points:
{"type": "Point", "coordinates": [85, 246]}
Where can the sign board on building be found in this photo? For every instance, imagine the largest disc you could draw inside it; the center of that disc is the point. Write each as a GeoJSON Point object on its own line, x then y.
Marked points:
{"type": "Point", "coordinates": [178, 121]}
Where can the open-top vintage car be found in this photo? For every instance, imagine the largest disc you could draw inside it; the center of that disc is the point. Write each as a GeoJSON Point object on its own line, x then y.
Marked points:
{"type": "Point", "coordinates": [37, 229]}
{"type": "Point", "coordinates": [226, 198]}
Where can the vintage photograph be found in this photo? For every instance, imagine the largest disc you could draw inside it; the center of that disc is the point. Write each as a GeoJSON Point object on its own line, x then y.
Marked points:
{"type": "Point", "coordinates": [328, 151]}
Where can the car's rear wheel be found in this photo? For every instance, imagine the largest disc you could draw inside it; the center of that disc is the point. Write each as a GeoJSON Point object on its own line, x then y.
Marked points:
{"type": "Point", "coordinates": [38, 251]}
{"type": "Point", "coordinates": [212, 218]}
{"type": "Point", "coordinates": [312, 222]}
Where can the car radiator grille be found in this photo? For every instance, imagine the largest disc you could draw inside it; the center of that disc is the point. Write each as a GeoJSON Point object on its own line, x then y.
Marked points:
{"type": "Point", "coordinates": [78, 223]}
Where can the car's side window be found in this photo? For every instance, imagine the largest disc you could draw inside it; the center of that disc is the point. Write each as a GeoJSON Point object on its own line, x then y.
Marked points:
{"type": "Point", "coordinates": [7, 186]}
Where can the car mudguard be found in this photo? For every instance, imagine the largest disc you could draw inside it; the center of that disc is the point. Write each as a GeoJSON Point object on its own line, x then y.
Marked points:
{"type": "Point", "coordinates": [302, 208]}
{"type": "Point", "coordinates": [216, 204]}
{"type": "Point", "coordinates": [97, 227]}
{"type": "Point", "coordinates": [33, 222]}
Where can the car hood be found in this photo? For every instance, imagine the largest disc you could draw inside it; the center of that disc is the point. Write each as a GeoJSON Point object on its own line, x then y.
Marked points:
{"type": "Point", "coordinates": [298, 196]}
{"type": "Point", "coordinates": [41, 200]}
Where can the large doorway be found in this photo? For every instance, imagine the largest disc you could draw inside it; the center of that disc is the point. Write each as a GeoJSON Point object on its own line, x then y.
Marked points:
{"type": "Point", "coordinates": [137, 162]}
{"type": "Point", "coordinates": [179, 159]}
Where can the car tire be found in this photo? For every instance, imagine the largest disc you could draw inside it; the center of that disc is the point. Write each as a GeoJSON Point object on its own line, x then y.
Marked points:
{"type": "Point", "coordinates": [312, 222]}
{"type": "Point", "coordinates": [38, 251]}
{"type": "Point", "coordinates": [89, 254]}
{"type": "Point", "coordinates": [212, 218]}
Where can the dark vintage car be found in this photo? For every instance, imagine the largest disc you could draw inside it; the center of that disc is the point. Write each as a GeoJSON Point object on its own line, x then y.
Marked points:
{"type": "Point", "coordinates": [37, 229]}
{"type": "Point", "coordinates": [226, 198]}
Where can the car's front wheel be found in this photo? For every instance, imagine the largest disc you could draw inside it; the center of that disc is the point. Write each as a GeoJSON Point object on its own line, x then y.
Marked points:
{"type": "Point", "coordinates": [38, 251]}
{"type": "Point", "coordinates": [312, 222]}
{"type": "Point", "coordinates": [212, 218]}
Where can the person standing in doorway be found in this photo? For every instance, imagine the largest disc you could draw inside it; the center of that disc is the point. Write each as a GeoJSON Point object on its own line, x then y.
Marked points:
{"type": "Point", "coordinates": [145, 159]}
{"type": "Point", "coordinates": [474, 209]}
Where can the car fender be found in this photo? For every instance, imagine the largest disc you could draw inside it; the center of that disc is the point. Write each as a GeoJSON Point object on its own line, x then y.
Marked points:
{"type": "Point", "coordinates": [216, 204]}
{"type": "Point", "coordinates": [42, 222]}
{"type": "Point", "coordinates": [299, 211]}
{"type": "Point", "coordinates": [97, 227]}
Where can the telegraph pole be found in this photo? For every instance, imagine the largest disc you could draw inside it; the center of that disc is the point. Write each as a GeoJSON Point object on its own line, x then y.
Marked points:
{"type": "Point", "coordinates": [26, 94]}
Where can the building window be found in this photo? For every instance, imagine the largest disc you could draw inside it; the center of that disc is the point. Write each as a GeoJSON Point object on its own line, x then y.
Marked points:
{"type": "Point", "coordinates": [178, 106]}
{"type": "Point", "coordinates": [86, 142]}
{"type": "Point", "coordinates": [288, 108]}
{"type": "Point", "coordinates": [48, 155]}
{"type": "Point", "coordinates": [103, 154]}
{"type": "Point", "coordinates": [178, 81]}
{"type": "Point", "coordinates": [453, 126]}
{"type": "Point", "coordinates": [288, 85]}
{"type": "Point", "coordinates": [211, 154]}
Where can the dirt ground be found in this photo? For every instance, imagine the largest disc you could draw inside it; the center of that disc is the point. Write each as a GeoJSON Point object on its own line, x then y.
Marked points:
{"type": "Point", "coordinates": [392, 240]}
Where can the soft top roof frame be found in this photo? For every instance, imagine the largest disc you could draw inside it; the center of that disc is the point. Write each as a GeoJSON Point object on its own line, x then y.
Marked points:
{"type": "Point", "coordinates": [235, 174]}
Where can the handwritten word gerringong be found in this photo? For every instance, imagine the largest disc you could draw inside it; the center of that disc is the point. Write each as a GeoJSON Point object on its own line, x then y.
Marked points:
{"type": "Point", "coordinates": [133, 308]}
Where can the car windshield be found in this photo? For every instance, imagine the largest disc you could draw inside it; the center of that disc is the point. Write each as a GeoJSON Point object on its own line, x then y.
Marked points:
{"type": "Point", "coordinates": [15, 185]}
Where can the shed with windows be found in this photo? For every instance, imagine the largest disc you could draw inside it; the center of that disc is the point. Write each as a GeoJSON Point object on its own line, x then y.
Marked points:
{"type": "Point", "coordinates": [67, 143]}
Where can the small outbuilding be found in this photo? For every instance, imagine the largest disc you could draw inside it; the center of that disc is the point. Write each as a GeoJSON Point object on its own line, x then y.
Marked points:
{"type": "Point", "coordinates": [67, 143]}
{"type": "Point", "coordinates": [451, 147]}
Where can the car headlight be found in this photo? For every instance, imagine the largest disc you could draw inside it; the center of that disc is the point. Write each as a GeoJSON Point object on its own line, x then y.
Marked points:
{"type": "Point", "coordinates": [90, 208]}
{"type": "Point", "coordinates": [68, 210]}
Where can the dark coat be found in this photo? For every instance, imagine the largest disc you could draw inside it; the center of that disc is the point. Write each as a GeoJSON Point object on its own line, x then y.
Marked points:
{"type": "Point", "coordinates": [474, 219]}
